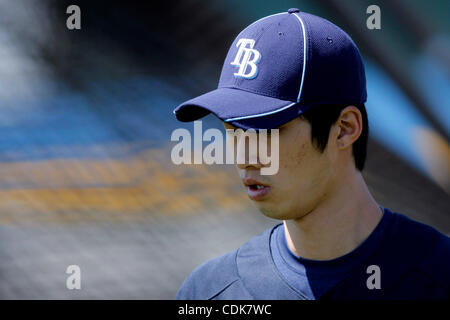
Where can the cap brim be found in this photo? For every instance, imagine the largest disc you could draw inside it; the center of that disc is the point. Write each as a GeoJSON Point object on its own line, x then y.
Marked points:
{"type": "Point", "coordinates": [240, 108]}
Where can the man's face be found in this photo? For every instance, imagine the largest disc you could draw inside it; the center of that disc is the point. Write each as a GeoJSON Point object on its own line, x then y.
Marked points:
{"type": "Point", "coordinates": [304, 179]}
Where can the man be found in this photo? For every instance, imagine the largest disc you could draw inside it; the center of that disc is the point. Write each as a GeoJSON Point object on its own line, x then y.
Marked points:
{"type": "Point", "coordinates": [304, 76]}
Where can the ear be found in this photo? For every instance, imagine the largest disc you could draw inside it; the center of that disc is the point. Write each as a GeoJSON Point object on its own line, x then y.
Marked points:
{"type": "Point", "coordinates": [349, 126]}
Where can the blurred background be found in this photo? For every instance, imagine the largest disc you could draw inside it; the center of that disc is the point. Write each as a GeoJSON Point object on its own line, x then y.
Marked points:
{"type": "Point", "coordinates": [86, 118]}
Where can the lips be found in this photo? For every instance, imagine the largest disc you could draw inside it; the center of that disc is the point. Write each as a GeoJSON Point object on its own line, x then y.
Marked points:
{"type": "Point", "coordinates": [256, 190]}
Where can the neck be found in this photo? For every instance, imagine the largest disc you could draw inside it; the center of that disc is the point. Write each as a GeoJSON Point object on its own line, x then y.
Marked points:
{"type": "Point", "coordinates": [338, 225]}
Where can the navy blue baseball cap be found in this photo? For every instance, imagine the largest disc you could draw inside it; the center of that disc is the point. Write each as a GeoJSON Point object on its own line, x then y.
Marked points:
{"type": "Point", "coordinates": [277, 68]}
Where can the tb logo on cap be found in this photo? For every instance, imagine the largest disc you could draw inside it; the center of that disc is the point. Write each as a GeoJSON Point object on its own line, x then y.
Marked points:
{"type": "Point", "coordinates": [246, 59]}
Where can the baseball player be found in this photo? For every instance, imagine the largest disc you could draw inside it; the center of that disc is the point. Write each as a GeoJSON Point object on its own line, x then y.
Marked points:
{"type": "Point", "coordinates": [303, 75]}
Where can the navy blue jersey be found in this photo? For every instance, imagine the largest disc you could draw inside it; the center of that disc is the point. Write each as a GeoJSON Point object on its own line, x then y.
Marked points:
{"type": "Point", "coordinates": [313, 278]}
{"type": "Point", "coordinates": [413, 261]}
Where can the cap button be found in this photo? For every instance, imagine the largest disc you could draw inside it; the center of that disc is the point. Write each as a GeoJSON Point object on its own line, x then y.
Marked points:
{"type": "Point", "coordinates": [292, 10]}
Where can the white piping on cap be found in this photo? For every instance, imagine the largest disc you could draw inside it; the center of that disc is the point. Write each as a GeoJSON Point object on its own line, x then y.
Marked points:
{"type": "Point", "coordinates": [304, 56]}
{"type": "Point", "coordinates": [260, 114]}
{"type": "Point", "coordinates": [301, 83]}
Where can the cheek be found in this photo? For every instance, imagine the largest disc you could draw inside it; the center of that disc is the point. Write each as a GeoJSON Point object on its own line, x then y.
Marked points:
{"type": "Point", "coordinates": [303, 169]}
{"type": "Point", "coordinates": [303, 181]}
{"type": "Point", "coordinates": [292, 159]}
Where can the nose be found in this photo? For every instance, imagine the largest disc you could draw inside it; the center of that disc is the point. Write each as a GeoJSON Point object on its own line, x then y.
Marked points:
{"type": "Point", "coordinates": [246, 151]}
{"type": "Point", "coordinates": [248, 166]}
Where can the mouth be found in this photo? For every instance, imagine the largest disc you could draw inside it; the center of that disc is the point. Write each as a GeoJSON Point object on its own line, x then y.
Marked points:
{"type": "Point", "coordinates": [256, 190]}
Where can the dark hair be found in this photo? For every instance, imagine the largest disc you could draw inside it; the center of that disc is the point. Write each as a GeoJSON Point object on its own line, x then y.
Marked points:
{"type": "Point", "coordinates": [322, 117]}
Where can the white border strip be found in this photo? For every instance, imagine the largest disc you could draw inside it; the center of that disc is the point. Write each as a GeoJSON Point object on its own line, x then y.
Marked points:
{"type": "Point", "coordinates": [304, 56]}
{"type": "Point", "coordinates": [261, 114]}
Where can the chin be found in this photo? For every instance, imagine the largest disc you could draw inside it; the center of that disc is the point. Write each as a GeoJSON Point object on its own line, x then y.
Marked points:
{"type": "Point", "coordinates": [276, 212]}
{"type": "Point", "coordinates": [273, 213]}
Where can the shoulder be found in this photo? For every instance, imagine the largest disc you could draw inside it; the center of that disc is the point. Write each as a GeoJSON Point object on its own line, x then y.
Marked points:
{"type": "Point", "coordinates": [220, 274]}
{"type": "Point", "coordinates": [210, 278]}
{"type": "Point", "coordinates": [436, 264]}
{"type": "Point", "coordinates": [428, 246]}
{"type": "Point", "coordinates": [413, 235]}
